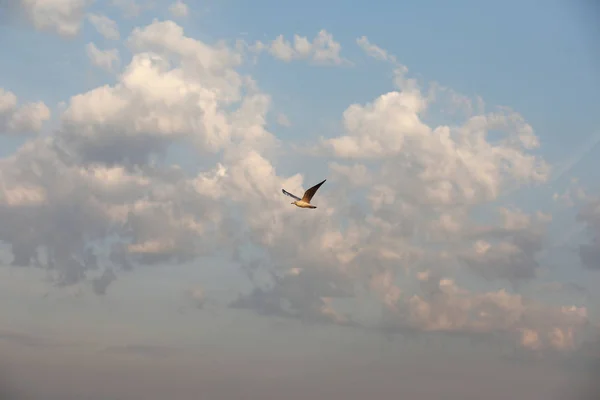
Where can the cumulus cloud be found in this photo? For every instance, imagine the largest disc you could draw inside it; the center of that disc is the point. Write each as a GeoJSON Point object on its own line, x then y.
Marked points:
{"type": "Point", "coordinates": [159, 213]}
{"type": "Point", "coordinates": [155, 104]}
{"type": "Point", "coordinates": [24, 119]}
{"type": "Point", "coordinates": [400, 204]}
{"type": "Point", "coordinates": [107, 60]}
{"type": "Point", "coordinates": [422, 185]}
{"type": "Point", "coordinates": [323, 50]}
{"type": "Point", "coordinates": [105, 26]}
{"type": "Point", "coordinates": [63, 17]}
{"type": "Point", "coordinates": [443, 306]}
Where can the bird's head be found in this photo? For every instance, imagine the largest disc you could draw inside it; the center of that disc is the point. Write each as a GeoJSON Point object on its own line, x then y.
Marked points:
{"type": "Point", "coordinates": [293, 202]}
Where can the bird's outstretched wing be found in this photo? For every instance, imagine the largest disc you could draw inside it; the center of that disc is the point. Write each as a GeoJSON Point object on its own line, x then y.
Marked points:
{"type": "Point", "coordinates": [289, 194]}
{"type": "Point", "coordinates": [308, 195]}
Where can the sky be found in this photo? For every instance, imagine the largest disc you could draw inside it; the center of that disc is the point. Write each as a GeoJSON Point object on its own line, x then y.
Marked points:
{"type": "Point", "coordinates": [147, 250]}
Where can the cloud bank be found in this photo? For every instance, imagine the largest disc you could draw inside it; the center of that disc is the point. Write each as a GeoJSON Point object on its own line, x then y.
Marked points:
{"type": "Point", "coordinates": [398, 226]}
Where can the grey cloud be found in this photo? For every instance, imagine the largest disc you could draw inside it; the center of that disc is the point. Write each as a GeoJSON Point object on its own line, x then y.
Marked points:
{"type": "Point", "coordinates": [570, 288]}
{"type": "Point", "coordinates": [589, 253]}
{"type": "Point", "coordinates": [100, 284]}
{"type": "Point", "coordinates": [23, 119]}
{"type": "Point", "coordinates": [64, 217]}
{"type": "Point", "coordinates": [512, 251]}
{"type": "Point", "coordinates": [63, 17]}
{"type": "Point", "coordinates": [575, 288]}
{"type": "Point", "coordinates": [298, 296]}
{"type": "Point", "coordinates": [514, 266]}
{"type": "Point", "coordinates": [47, 212]}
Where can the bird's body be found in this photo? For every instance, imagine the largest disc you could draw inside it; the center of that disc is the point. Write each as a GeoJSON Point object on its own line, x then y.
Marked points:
{"type": "Point", "coordinates": [304, 202]}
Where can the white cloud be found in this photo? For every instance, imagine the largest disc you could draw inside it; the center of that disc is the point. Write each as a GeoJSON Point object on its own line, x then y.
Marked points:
{"type": "Point", "coordinates": [355, 175]}
{"type": "Point", "coordinates": [446, 164]}
{"type": "Point", "coordinates": [105, 26]}
{"type": "Point", "coordinates": [443, 306]}
{"type": "Point", "coordinates": [90, 164]}
{"type": "Point", "coordinates": [24, 119]}
{"type": "Point", "coordinates": [323, 50]}
{"type": "Point", "coordinates": [108, 59]}
{"type": "Point", "coordinates": [155, 104]}
{"type": "Point", "coordinates": [59, 16]}
{"type": "Point", "coordinates": [179, 9]}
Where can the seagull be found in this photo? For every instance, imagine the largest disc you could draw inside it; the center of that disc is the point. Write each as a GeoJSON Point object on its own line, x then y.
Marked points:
{"type": "Point", "coordinates": [304, 202]}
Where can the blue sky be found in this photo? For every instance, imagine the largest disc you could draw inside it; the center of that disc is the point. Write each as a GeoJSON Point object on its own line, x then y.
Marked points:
{"type": "Point", "coordinates": [464, 246]}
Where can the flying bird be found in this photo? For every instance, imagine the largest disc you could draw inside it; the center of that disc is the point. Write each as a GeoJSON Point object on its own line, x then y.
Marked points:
{"type": "Point", "coordinates": [304, 202]}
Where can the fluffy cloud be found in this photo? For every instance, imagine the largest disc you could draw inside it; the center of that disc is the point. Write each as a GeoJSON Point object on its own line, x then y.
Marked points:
{"type": "Point", "coordinates": [155, 103]}
{"type": "Point", "coordinates": [27, 118]}
{"type": "Point", "coordinates": [323, 50]}
{"type": "Point", "coordinates": [156, 214]}
{"type": "Point", "coordinates": [65, 17]}
{"type": "Point", "coordinates": [99, 196]}
{"type": "Point", "coordinates": [442, 306]}
{"type": "Point", "coordinates": [59, 16]}
{"type": "Point", "coordinates": [423, 185]}
{"type": "Point", "coordinates": [105, 26]}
